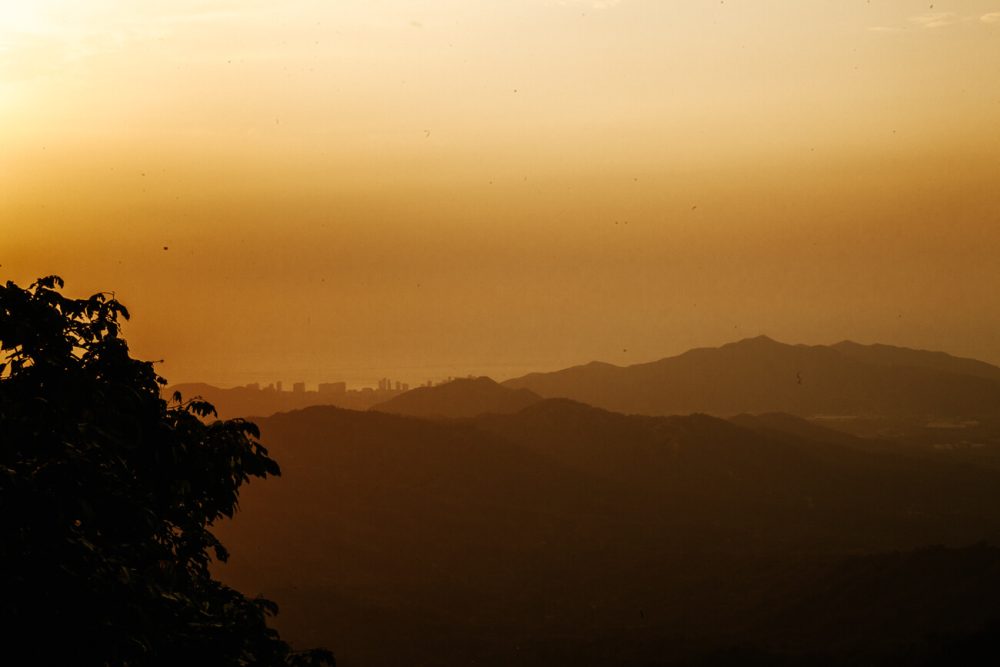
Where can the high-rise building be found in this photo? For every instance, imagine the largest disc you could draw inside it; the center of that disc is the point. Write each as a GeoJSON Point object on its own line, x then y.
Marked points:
{"type": "Point", "coordinates": [332, 387]}
{"type": "Point", "coordinates": [299, 388]}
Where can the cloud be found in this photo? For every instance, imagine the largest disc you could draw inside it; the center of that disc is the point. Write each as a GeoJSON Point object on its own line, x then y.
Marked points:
{"type": "Point", "coordinates": [936, 19]}
{"type": "Point", "coordinates": [931, 20]}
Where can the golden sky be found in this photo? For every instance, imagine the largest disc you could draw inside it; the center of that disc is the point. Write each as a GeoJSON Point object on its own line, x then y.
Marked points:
{"type": "Point", "coordinates": [357, 187]}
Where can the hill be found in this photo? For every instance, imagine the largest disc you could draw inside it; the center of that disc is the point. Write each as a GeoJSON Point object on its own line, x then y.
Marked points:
{"type": "Point", "coordinates": [464, 397]}
{"type": "Point", "coordinates": [252, 401]}
{"type": "Point", "coordinates": [930, 606]}
{"type": "Point", "coordinates": [567, 534]}
{"type": "Point", "coordinates": [760, 375]}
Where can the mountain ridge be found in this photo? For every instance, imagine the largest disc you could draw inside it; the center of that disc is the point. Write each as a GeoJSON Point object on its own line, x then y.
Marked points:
{"type": "Point", "coordinates": [563, 521]}
{"type": "Point", "coordinates": [759, 375]}
{"type": "Point", "coordinates": [462, 397]}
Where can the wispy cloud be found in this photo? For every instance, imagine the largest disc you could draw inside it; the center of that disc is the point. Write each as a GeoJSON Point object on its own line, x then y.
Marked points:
{"type": "Point", "coordinates": [933, 20]}
{"type": "Point", "coordinates": [937, 19]}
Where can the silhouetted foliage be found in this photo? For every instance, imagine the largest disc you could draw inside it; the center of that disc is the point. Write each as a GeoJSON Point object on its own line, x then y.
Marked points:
{"type": "Point", "coordinates": [108, 494]}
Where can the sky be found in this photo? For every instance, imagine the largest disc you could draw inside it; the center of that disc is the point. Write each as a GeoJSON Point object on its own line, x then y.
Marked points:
{"type": "Point", "coordinates": [314, 190]}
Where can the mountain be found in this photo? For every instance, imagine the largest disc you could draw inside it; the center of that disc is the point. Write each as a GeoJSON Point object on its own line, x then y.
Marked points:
{"type": "Point", "coordinates": [464, 397]}
{"type": "Point", "coordinates": [760, 375]}
{"type": "Point", "coordinates": [253, 401]}
{"type": "Point", "coordinates": [889, 355]}
{"type": "Point", "coordinates": [567, 534]}
{"type": "Point", "coordinates": [782, 425]}
{"type": "Point", "coordinates": [929, 606]}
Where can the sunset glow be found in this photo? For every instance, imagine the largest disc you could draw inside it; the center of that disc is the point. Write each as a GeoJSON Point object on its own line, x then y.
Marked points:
{"type": "Point", "coordinates": [357, 187]}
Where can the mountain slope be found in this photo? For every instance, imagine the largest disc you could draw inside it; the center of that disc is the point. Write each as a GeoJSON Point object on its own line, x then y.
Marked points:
{"type": "Point", "coordinates": [564, 534]}
{"type": "Point", "coordinates": [255, 402]}
{"type": "Point", "coordinates": [760, 375]}
{"type": "Point", "coordinates": [890, 355]}
{"type": "Point", "coordinates": [464, 397]}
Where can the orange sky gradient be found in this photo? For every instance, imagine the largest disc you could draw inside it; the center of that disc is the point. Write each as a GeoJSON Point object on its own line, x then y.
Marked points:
{"type": "Point", "coordinates": [358, 188]}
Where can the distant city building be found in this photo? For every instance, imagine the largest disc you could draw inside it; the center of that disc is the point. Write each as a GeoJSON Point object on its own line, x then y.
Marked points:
{"type": "Point", "coordinates": [332, 387]}
{"type": "Point", "coordinates": [277, 385]}
{"type": "Point", "coordinates": [299, 387]}
{"type": "Point", "coordinates": [254, 386]}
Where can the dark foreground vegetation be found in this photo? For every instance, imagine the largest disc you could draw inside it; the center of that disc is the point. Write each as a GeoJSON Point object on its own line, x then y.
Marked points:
{"type": "Point", "coordinates": [109, 495]}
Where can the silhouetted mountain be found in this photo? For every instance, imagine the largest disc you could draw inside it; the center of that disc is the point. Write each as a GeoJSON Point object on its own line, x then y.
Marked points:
{"type": "Point", "coordinates": [256, 402]}
{"type": "Point", "coordinates": [760, 375]}
{"type": "Point", "coordinates": [889, 355]}
{"type": "Point", "coordinates": [464, 397]}
{"type": "Point", "coordinates": [921, 602]}
{"type": "Point", "coordinates": [929, 606]}
{"type": "Point", "coordinates": [780, 424]}
{"type": "Point", "coordinates": [566, 534]}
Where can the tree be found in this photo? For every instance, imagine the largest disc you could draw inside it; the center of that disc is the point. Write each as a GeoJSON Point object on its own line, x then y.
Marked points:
{"type": "Point", "coordinates": [108, 495]}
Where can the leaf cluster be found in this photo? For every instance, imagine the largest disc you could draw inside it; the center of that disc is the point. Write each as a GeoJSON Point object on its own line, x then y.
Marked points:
{"type": "Point", "coordinates": [108, 496]}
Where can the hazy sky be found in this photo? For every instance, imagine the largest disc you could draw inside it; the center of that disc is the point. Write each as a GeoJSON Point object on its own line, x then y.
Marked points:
{"type": "Point", "coordinates": [346, 188]}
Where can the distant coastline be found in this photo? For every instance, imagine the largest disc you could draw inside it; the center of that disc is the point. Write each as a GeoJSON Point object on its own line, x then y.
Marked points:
{"type": "Point", "coordinates": [357, 378]}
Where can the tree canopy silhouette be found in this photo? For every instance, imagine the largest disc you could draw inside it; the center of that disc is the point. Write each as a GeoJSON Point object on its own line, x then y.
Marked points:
{"type": "Point", "coordinates": [108, 494]}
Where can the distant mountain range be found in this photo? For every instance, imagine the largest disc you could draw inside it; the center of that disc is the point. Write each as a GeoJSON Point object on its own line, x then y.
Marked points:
{"type": "Point", "coordinates": [760, 375]}
{"type": "Point", "coordinates": [753, 376]}
{"type": "Point", "coordinates": [473, 522]}
{"type": "Point", "coordinates": [568, 534]}
{"type": "Point", "coordinates": [255, 402]}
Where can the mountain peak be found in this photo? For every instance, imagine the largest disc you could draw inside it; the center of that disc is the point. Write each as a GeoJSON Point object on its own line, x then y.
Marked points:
{"type": "Point", "coordinates": [461, 397]}
{"type": "Point", "coordinates": [756, 341]}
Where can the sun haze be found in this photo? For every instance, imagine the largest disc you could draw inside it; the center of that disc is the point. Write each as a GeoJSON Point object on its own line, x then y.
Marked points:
{"type": "Point", "coordinates": [316, 189]}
